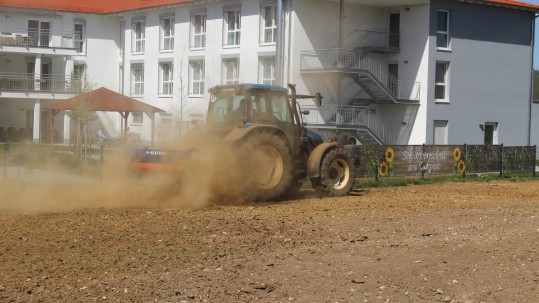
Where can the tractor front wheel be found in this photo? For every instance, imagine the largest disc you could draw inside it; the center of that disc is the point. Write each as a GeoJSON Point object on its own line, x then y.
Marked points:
{"type": "Point", "coordinates": [337, 174]}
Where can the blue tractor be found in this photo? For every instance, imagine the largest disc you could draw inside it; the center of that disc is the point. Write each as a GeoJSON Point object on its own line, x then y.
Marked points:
{"type": "Point", "coordinates": [265, 121]}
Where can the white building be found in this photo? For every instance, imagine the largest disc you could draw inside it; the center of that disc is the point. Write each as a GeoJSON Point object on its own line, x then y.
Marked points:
{"type": "Point", "coordinates": [408, 72]}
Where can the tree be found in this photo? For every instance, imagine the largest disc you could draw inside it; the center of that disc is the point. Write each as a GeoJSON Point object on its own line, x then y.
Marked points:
{"type": "Point", "coordinates": [181, 103]}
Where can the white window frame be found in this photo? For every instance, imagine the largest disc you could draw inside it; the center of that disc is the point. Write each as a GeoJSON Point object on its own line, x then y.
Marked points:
{"type": "Point", "coordinates": [233, 29]}
{"type": "Point", "coordinates": [268, 24]}
{"type": "Point", "coordinates": [166, 34]}
{"type": "Point", "coordinates": [440, 127]}
{"type": "Point", "coordinates": [40, 35]}
{"type": "Point", "coordinates": [267, 70]}
{"type": "Point", "coordinates": [196, 78]}
{"type": "Point", "coordinates": [438, 83]}
{"type": "Point", "coordinates": [443, 32]}
{"type": "Point", "coordinates": [231, 71]}
{"type": "Point", "coordinates": [138, 118]}
{"type": "Point", "coordinates": [198, 31]}
{"type": "Point", "coordinates": [138, 37]}
{"type": "Point", "coordinates": [137, 79]}
{"type": "Point", "coordinates": [166, 79]}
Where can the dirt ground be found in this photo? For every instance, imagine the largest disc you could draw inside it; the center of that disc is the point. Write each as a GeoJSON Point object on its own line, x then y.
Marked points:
{"type": "Point", "coordinates": [456, 242]}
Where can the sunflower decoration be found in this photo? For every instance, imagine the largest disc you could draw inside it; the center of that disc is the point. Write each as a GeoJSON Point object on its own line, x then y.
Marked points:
{"type": "Point", "coordinates": [461, 167]}
{"type": "Point", "coordinates": [383, 169]}
{"type": "Point", "coordinates": [457, 154]}
{"type": "Point", "coordinates": [390, 155]}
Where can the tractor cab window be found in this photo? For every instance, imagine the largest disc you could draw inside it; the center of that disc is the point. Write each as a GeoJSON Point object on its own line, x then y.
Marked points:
{"type": "Point", "coordinates": [227, 107]}
{"type": "Point", "coordinates": [281, 108]}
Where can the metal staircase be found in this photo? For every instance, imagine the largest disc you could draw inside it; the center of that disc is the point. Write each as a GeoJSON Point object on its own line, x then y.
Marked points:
{"type": "Point", "coordinates": [375, 83]}
{"type": "Point", "coordinates": [368, 72]}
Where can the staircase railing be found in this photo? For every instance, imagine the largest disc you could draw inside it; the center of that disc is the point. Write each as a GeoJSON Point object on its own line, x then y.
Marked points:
{"type": "Point", "coordinates": [351, 59]}
{"type": "Point", "coordinates": [381, 39]}
{"type": "Point", "coordinates": [407, 90]}
{"type": "Point", "coordinates": [350, 116]}
{"type": "Point", "coordinates": [372, 38]}
{"type": "Point", "coordinates": [329, 58]}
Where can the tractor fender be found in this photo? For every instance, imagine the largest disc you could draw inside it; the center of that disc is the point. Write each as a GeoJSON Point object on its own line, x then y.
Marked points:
{"type": "Point", "coordinates": [241, 133]}
{"type": "Point", "coordinates": [316, 156]}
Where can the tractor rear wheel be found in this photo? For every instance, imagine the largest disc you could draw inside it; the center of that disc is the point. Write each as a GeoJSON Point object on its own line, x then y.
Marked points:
{"type": "Point", "coordinates": [269, 167]}
{"type": "Point", "coordinates": [337, 174]}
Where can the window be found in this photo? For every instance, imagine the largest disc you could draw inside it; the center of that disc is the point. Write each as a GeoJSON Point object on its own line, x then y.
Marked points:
{"type": "Point", "coordinates": [268, 23]}
{"type": "Point", "coordinates": [280, 108]}
{"type": "Point", "coordinates": [442, 27]}
{"type": "Point", "coordinates": [138, 118]}
{"type": "Point", "coordinates": [196, 77]}
{"type": "Point", "coordinates": [137, 79]}
{"type": "Point", "coordinates": [138, 37]}
{"type": "Point", "coordinates": [38, 32]}
{"type": "Point", "coordinates": [440, 88]}
{"type": "Point", "coordinates": [167, 34]}
{"type": "Point", "coordinates": [231, 69]}
{"type": "Point", "coordinates": [232, 27]}
{"type": "Point", "coordinates": [440, 132]}
{"type": "Point", "coordinates": [198, 30]}
{"type": "Point", "coordinates": [166, 79]}
{"type": "Point", "coordinates": [267, 70]}
{"type": "Point", "coordinates": [79, 38]}
{"type": "Point", "coordinates": [491, 133]}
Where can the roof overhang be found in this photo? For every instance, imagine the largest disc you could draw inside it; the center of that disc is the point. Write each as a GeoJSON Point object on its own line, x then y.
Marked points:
{"type": "Point", "coordinates": [506, 4]}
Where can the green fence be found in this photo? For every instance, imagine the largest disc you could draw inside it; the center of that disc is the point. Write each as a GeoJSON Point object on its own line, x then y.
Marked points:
{"type": "Point", "coordinates": [39, 162]}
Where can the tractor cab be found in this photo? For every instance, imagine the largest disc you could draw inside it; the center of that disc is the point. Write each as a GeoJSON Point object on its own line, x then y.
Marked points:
{"type": "Point", "coordinates": [248, 103]}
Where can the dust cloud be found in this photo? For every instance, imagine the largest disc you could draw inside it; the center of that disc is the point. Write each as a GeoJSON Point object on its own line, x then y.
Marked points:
{"type": "Point", "coordinates": [212, 173]}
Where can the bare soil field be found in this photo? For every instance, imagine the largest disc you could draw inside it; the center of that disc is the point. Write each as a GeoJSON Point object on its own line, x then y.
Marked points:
{"type": "Point", "coordinates": [455, 242]}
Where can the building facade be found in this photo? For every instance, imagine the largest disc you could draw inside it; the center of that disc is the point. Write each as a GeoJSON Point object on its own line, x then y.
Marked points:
{"type": "Point", "coordinates": [390, 72]}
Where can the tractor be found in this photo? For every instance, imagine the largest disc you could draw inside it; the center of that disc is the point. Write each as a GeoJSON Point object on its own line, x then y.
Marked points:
{"type": "Point", "coordinates": [266, 120]}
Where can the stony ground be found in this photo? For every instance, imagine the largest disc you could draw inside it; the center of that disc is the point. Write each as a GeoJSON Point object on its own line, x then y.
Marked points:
{"type": "Point", "coordinates": [457, 242]}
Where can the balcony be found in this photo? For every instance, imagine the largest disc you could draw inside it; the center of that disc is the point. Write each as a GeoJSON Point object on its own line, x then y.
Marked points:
{"type": "Point", "coordinates": [21, 37]}
{"type": "Point", "coordinates": [26, 83]}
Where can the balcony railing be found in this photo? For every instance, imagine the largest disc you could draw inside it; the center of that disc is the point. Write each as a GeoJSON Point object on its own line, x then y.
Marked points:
{"type": "Point", "coordinates": [46, 39]}
{"type": "Point", "coordinates": [351, 61]}
{"type": "Point", "coordinates": [14, 82]}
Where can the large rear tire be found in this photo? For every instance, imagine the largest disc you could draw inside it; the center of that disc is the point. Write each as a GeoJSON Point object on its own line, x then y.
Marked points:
{"type": "Point", "coordinates": [269, 167]}
{"type": "Point", "coordinates": [337, 174]}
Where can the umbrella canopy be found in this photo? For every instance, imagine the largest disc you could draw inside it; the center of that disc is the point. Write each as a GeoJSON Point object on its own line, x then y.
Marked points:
{"type": "Point", "coordinates": [103, 99]}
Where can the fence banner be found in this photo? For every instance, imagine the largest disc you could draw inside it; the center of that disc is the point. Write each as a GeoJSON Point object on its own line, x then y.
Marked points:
{"type": "Point", "coordinates": [431, 160]}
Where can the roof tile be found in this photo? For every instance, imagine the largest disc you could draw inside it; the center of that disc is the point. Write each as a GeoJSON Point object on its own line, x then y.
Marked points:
{"type": "Point", "coordinates": [113, 6]}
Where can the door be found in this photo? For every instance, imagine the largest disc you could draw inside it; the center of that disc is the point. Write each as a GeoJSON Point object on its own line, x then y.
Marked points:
{"type": "Point", "coordinates": [491, 133]}
{"type": "Point", "coordinates": [38, 33]}
{"type": "Point", "coordinates": [394, 30]}
{"type": "Point", "coordinates": [46, 83]}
